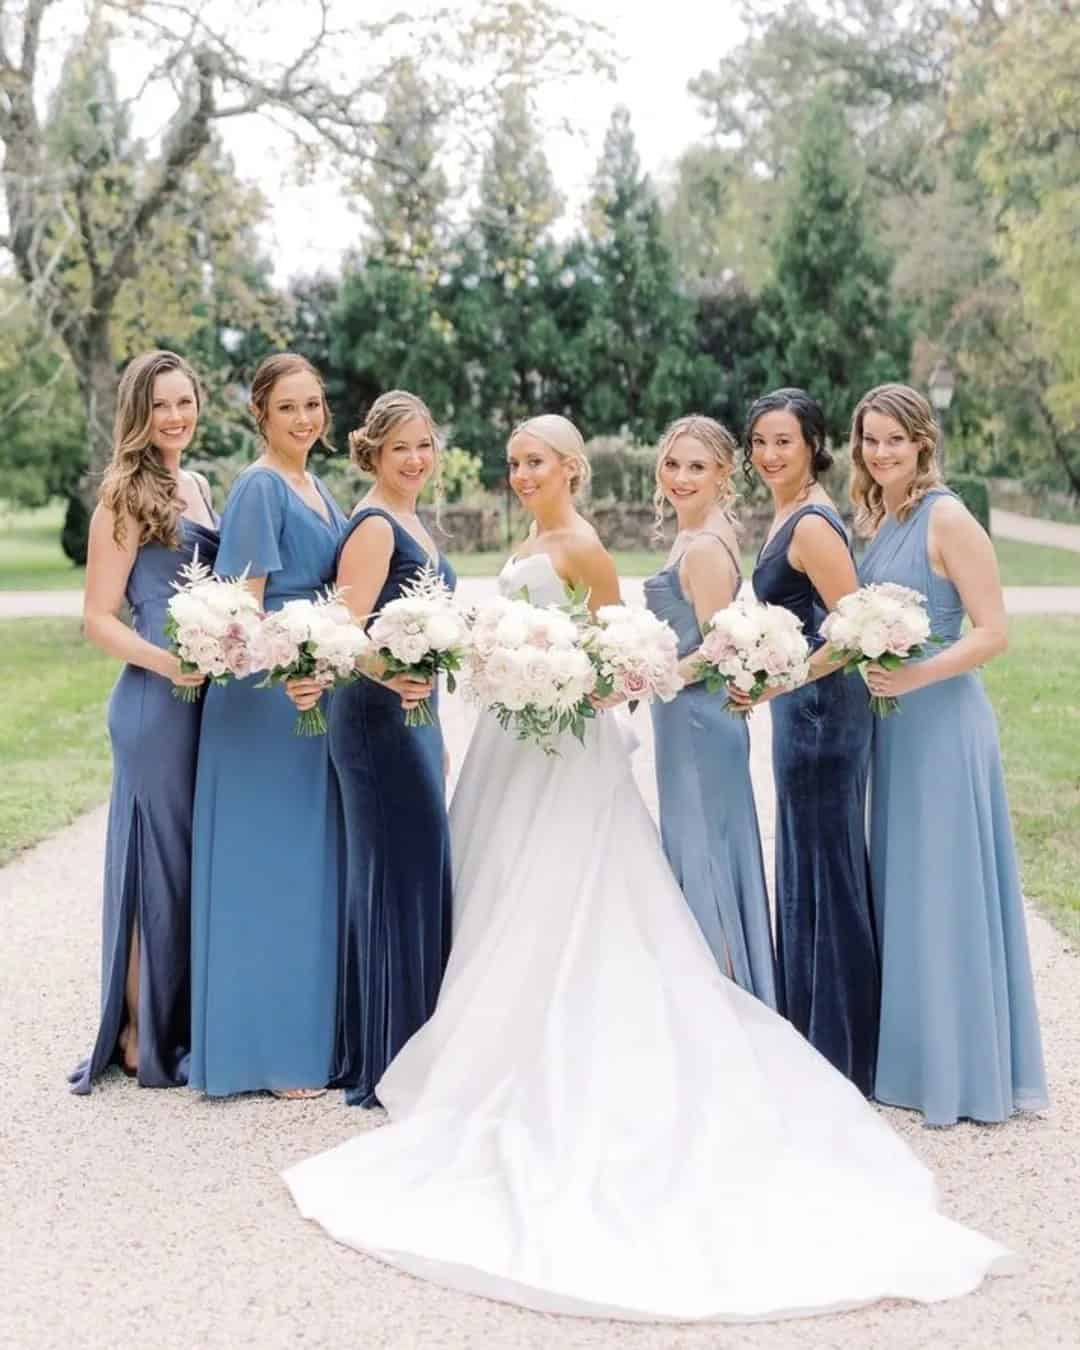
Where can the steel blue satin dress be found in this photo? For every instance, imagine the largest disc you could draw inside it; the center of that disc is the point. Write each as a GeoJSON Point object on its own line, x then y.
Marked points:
{"type": "Point", "coordinates": [148, 844]}
{"type": "Point", "coordinates": [826, 944]}
{"type": "Point", "coordinates": [959, 1026]}
{"type": "Point", "coordinates": [396, 930]}
{"type": "Point", "coordinates": [708, 821]}
{"type": "Point", "coordinates": [266, 864]}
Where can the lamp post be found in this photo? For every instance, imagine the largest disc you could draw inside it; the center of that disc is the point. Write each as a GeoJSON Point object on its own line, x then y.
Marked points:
{"type": "Point", "coordinates": [942, 388]}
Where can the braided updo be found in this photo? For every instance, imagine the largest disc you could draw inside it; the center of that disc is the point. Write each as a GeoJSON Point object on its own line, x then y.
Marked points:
{"type": "Point", "coordinates": [388, 411]}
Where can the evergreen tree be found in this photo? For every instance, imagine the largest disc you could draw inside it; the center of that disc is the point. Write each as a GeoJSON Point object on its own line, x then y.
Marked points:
{"type": "Point", "coordinates": [636, 363]}
{"type": "Point", "coordinates": [828, 317]}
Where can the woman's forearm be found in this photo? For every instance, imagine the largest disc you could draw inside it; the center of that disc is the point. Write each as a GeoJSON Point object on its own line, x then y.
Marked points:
{"type": "Point", "coordinates": [972, 650]}
{"type": "Point", "coordinates": [115, 637]}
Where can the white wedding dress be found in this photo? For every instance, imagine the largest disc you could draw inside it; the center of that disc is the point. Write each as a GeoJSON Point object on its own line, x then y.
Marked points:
{"type": "Point", "coordinates": [595, 1121]}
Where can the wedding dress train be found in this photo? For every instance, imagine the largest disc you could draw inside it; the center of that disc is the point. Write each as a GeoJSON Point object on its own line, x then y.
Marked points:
{"type": "Point", "coordinates": [595, 1121]}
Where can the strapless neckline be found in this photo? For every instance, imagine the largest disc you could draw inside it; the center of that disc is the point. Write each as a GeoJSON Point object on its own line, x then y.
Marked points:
{"type": "Point", "coordinates": [515, 564]}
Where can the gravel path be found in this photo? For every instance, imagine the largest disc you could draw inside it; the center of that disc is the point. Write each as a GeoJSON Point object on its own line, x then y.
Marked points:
{"type": "Point", "coordinates": [157, 1219]}
{"type": "Point", "coordinates": [1035, 530]}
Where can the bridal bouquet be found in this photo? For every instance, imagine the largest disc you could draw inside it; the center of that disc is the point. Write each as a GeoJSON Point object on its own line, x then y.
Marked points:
{"type": "Point", "coordinates": [211, 624]}
{"type": "Point", "coordinates": [753, 647]}
{"type": "Point", "coordinates": [421, 633]}
{"type": "Point", "coordinates": [884, 624]}
{"type": "Point", "coordinates": [529, 665]}
{"type": "Point", "coordinates": [311, 640]}
{"type": "Point", "coordinates": [635, 654]}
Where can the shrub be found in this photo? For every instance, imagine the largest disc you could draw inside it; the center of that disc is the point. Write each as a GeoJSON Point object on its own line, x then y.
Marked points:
{"type": "Point", "coordinates": [975, 495]}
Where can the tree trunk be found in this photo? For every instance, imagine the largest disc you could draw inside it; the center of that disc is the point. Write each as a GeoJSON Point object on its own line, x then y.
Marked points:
{"type": "Point", "coordinates": [91, 353]}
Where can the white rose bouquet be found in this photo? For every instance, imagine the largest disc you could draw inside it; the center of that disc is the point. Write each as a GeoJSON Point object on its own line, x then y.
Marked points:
{"type": "Point", "coordinates": [528, 665]}
{"type": "Point", "coordinates": [754, 647]}
{"type": "Point", "coordinates": [211, 624]}
{"type": "Point", "coordinates": [313, 640]}
{"type": "Point", "coordinates": [883, 624]}
{"type": "Point", "coordinates": [635, 654]}
{"type": "Point", "coordinates": [421, 633]}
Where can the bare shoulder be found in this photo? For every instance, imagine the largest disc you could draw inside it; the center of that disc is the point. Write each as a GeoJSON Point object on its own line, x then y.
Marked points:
{"type": "Point", "coordinates": [374, 531]}
{"type": "Point", "coordinates": [949, 516]}
{"type": "Point", "coordinates": [583, 546]}
{"type": "Point", "coordinates": [710, 551]}
{"type": "Point", "coordinates": [815, 532]}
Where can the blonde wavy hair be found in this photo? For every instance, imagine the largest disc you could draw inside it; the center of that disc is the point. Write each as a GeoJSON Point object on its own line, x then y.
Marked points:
{"type": "Point", "coordinates": [558, 433]}
{"type": "Point", "coordinates": [387, 412]}
{"type": "Point", "coordinates": [136, 482]}
{"type": "Point", "coordinates": [720, 443]}
{"type": "Point", "coordinates": [908, 407]}
{"type": "Point", "coordinates": [274, 368]}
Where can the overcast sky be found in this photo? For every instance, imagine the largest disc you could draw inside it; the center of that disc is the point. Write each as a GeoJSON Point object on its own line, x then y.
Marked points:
{"type": "Point", "coordinates": [663, 44]}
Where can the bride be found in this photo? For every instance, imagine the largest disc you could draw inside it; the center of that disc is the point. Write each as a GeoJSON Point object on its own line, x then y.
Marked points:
{"type": "Point", "coordinates": [596, 1121]}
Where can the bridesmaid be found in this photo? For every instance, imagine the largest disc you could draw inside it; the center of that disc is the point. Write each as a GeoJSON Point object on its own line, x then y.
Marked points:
{"type": "Point", "coordinates": [396, 933]}
{"type": "Point", "coordinates": [826, 946]}
{"type": "Point", "coordinates": [151, 519]}
{"type": "Point", "coordinates": [708, 821]}
{"type": "Point", "coordinates": [266, 867]}
{"type": "Point", "coordinates": [959, 1026]}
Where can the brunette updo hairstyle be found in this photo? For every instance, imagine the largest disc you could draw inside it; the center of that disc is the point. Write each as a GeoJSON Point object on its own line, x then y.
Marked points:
{"type": "Point", "coordinates": [274, 368]}
{"type": "Point", "coordinates": [808, 413]}
{"type": "Point", "coordinates": [136, 483]}
{"type": "Point", "coordinates": [719, 442]}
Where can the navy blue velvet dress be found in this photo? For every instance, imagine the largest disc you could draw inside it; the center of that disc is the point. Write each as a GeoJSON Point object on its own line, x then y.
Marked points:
{"type": "Point", "coordinates": [148, 846]}
{"type": "Point", "coordinates": [395, 937]}
{"type": "Point", "coordinates": [828, 981]}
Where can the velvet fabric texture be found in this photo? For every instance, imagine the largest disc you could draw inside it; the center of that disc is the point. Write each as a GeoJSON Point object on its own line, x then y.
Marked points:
{"type": "Point", "coordinates": [395, 937]}
{"type": "Point", "coordinates": [148, 845]}
{"type": "Point", "coordinates": [959, 1026]}
{"type": "Point", "coordinates": [708, 820]}
{"type": "Point", "coordinates": [826, 944]}
{"type": "Point", "coordinates": [266, 866]}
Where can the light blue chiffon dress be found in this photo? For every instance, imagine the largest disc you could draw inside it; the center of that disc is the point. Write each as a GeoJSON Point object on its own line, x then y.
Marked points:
{"type": "Point", "coordinates": [708, 821]}
{"type": "Point", "coordinates": [267, 861]}
{"type": "Point", "coordinates": [959, 1026]}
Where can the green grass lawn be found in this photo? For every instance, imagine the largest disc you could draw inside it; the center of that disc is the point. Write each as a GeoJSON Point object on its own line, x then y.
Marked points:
{"type": "Point", "coordinates": [53, 742]}
{"type": "Point", "coordinates": [1033, 565]}
{"type": "Point", "coordinates": [1034, 691]}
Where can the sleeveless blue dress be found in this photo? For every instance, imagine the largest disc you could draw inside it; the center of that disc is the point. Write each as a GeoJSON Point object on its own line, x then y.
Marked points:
{"type": "Point", "coordinates": [959, 1026]}
{"type": "Point", "coordinates": [148, 845]}
{"type": "Point", "coordinates": [826, 945]}
{"type": "Point", "coordinates": [396, 929]}
{"type": "Point", "coordinates": [266, 864]}
{"type": "Point", "coordinates": [708, 821]}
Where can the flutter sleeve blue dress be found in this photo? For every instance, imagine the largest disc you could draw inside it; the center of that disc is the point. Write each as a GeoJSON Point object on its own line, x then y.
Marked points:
{"type": "Point", "coordinates": [708, 820]}
{"type": "Point", "coordinates": [959, 1026]}
{"type": "Point", "coordinates": [148, 845]}
{"type": "Point", "coordinates": [826, 945]}
{"type": "Point", "coordinates": [267, 863]}
{"type": "Point", "coordinates": [397, 918]}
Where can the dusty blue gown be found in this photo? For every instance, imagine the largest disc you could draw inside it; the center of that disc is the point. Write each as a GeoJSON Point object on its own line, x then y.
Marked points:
{"type": "Point", "coordinates": [266, 863]}
{"type": "Point", "coordinates": [148, 845]}
{"type": "Point", "coordinates": [708, 821]}
{"type": "Point", "coordinates": [959, 1026]}
{"type": "Point", "coordinates": [396, 929]}
{"type": "Point", "coordinates": [826, 945]}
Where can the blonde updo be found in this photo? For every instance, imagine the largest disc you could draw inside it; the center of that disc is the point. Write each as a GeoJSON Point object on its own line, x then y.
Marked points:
{"type": "Point", "coordinates": [908, 407]}
{"type": "Point", "coordinates": [387, 412]}
{"type": "Point", "coordinates": [559, 434]}
{"type": "Point", "coordinates": [719, 442]}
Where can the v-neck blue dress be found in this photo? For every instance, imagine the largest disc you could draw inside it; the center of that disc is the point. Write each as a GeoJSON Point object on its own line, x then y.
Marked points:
{"type": "Point", "coordinates": [396, 929]}
{"type": "Point", "coordinates": [148, 846]}
{"type": "Point", "coordinates": [959, 1026]}
{"type": "Point", "coordinates": [826, 944]}
{"type": "Point", "coordinates": [266, 863]}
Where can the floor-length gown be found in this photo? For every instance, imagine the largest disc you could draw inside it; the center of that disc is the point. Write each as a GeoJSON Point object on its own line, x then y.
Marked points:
{"type": "Point", "coordinates": [959, 1026]}
{"type": "Point", "coordinates": [595, 1120]}
{"type": "Point", "coordinates": [826, 947]}
{"type": "Point", "coordinates": [148, 844]}
{"type": "Point", "coordinates": [267, 867]}
{"type": "Point", "coordinates": [708, 820]}
{"type": "Point", "coordinates": [396, 923]}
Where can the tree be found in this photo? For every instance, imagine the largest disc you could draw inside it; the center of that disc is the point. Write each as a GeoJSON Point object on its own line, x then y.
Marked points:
{"type": "Point", "coordinates": [829, 314]}
{"type": "Point", "coordinates": [636, 361]}
{"type": "Point", "coordinates": [81, 200]}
